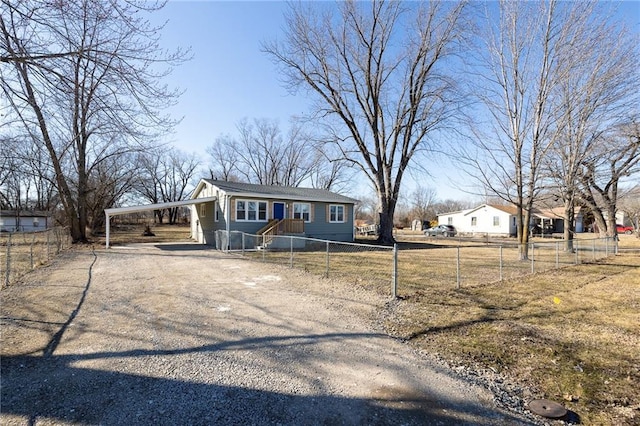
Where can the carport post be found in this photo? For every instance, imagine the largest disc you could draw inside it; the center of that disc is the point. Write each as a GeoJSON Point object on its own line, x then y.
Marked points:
{"type": "Point", "coordinates": [107, 214]}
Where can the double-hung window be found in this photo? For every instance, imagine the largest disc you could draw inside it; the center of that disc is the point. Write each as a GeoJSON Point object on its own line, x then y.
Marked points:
{"type": "Point", "coordinates": [336, 213]}
{"type": "Point", "coordinates": [251, 211]}
{"type": "Point", "coordinates": [302, 211]}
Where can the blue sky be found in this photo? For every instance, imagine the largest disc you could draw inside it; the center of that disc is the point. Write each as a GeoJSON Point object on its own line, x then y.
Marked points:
{"type": "Point", "coordinates": [229, 78]}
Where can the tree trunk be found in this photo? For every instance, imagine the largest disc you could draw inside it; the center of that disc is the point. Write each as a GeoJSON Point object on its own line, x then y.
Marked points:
{"type": "Point", "coordinates": [569, 225]}
{"type": "Point", "coordinates": [385, 234]}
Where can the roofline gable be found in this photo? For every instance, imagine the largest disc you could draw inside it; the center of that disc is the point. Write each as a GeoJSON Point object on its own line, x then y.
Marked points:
{"type": "Point", "coordinates": [273, 192]}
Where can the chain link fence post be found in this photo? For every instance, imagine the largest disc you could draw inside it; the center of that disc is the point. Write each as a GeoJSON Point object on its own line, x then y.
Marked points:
{"type": "Point", "coordinates": [33, 241]}
{"type": "Point", "coordinates": [327, 268]}
{"type": "Point", "coordinates": [8, 270]}
{"type": "Point", "coordinates": [291, 252]}
{"type": "Point", "coordinates": [458, 267]}
{"type": "Point", "coordinates": [394, 277]}
{"type": "Point", "coordinates": [532, 248]}
{"type": "Point", "coordinates": [501, 277]}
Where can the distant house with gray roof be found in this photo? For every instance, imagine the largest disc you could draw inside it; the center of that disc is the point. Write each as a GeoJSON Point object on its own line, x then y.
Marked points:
{"type": "Point", "coordinates": [24, 221]}
{"type": "Point", "coordinates": [268, 211]}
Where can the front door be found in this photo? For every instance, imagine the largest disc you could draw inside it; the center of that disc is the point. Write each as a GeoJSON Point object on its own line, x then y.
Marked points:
{"type": "Point", "coordinates": [278, 211]}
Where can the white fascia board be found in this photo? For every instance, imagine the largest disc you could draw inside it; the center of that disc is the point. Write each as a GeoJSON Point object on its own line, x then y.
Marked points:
{"type": "Point", "coordinates": [157, 206]}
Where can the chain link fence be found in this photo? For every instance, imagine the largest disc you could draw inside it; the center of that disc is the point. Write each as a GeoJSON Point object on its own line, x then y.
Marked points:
{"type": "Point", "coordinates": [473, 265]}
{"type": "Point", "coordinates": [21, 252]}
{"type": "Point", "coordinates": [368, 263]}
{"type": "Point", "coordinates": [411, 267]}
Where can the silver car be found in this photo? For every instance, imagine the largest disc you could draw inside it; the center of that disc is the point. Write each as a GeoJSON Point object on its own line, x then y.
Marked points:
{"type": "Point", "coordinates": [441, 231]}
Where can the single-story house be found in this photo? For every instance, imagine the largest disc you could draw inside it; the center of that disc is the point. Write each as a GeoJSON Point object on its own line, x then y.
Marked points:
{"type": "Point", "coordinates": [500, 220]}
{"type": "Point", "coordinates": [24, 221]}
{"type": "Point", "coordinates": [486, 219]}
{"type": "Point", "coordinates": [269, 210]}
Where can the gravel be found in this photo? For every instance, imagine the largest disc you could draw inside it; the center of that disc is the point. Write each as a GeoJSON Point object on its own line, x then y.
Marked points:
{"type": "Point", "coordinates": [180, 334]}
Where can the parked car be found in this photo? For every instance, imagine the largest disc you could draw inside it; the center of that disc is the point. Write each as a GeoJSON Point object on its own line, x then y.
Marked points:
{"type": "Point", "coordinates": [441, 231]}
{"type": "Point", "coordinates": [621, 229]}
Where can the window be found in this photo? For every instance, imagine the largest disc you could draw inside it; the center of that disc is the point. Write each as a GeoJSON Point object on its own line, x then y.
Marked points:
{"type": "Point", "coordinates": [474, 221]}
{"type": "Point", "coordinates": [496, 221]}
{"type": "Point", "coordinates": [36, 222]}
{"type": "Point", "coordinates": [336, 213]}
{"type": "Point", "coordinates": [251, 211]}
{"type": "Point", "coordinates": [216, 213]}
{"type": "Point", "coordinates": [302, 211]}
{"type": "Point", "coordinates": [203, 210]}
{"type": "Point", "coordinates": [449, 221]}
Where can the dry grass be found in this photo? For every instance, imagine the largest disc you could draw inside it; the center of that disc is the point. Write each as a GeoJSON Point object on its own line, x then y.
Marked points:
{"type": "Point", "coordinates": [24, 251]}
{"type": "Point", "coordinates": [571, 335]}
{"type": "Point", "coordinates": [131, 234]}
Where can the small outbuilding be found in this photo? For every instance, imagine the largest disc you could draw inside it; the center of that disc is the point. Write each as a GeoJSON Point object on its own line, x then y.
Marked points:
{"type": "Point", "coordinates": [24, 221]}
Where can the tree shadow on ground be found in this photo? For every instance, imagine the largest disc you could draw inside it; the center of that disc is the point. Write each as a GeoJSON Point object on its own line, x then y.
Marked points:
{"type": "Point", "coordinates": [36, 388]}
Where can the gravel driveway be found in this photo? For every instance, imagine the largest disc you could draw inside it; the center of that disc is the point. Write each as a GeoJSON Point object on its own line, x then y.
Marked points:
{"type": "Point", "coordinates": [179, 334]}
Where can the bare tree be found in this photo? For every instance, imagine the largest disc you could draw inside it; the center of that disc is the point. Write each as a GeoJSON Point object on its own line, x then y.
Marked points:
{"type": "Point", "coordinates": [378, 70]}
{"type": "Point", "coordinates": [598, 86]}
{"type": "Point", "coordinates": [109, 181]}
{"type": "Point", "coordinates": [617, 158]}
{"type": "Point", "coordinates": [515, 76]}
{"type": "Point", "coordinates": [423, 200]}
{"type": "Point", "coordinates": [223, 159]}
{"type": "Point", "coordinates": [26, 181]}
{"type": "Point", "coordinates": [83, 79]}
{"type": "Point", "coordinates": [165, 176]}
{"type": "Point", "coordinates": [630, 205]}
{"type": "Point", "coordinates": [262, 154]}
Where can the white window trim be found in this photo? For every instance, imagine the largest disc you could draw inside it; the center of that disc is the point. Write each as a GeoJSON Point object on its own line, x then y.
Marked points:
{"type": "Point", "coordinates": [496, 221]}
{"type": "Point", "coordinates": [344, 210]}
{"type": "Point", "coordinates": [203, 210]}
{"type": "Point", "coordinates": [308, 212]}
{"type": "Point", "coordinates": [257, 219]}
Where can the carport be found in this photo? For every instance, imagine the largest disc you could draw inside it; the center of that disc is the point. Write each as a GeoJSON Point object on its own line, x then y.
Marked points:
{"type": "Point", "coordinates": [146, 207]}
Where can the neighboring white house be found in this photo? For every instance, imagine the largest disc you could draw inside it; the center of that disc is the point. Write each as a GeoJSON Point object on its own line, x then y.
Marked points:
{"type": "Point", "coordinates": [24, 221]}
{"type": "Point", "coordinates": [498, 220]}
{"type": "Point", "coordinates": [486, 219]}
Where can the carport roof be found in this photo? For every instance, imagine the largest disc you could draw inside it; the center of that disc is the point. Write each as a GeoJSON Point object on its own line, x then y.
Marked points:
{"type": "Point", "coordinates": [146, 207]}
{"type": "Point", "coordinates": [157, 206]}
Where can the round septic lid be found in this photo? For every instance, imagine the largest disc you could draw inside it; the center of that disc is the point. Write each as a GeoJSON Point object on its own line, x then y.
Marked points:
{"type": "Point", "coordinates": [546, 408]}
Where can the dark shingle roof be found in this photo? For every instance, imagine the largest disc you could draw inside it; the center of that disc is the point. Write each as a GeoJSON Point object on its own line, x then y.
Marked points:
{"type": "Point", "coordinates": [286, 192]}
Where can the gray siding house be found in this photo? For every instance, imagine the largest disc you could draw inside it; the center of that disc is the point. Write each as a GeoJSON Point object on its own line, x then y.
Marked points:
{"type": "Point", "coordinates": [24, 221]}
{"type": "Point", "coordinates": [274, 210]}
